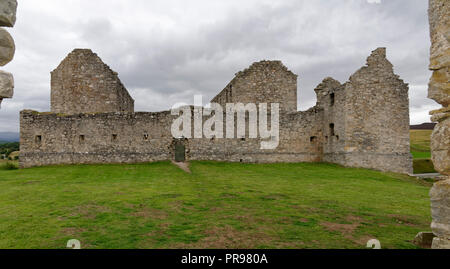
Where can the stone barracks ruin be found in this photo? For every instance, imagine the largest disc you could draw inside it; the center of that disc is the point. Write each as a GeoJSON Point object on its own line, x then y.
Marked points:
{"type": "Point", "coordinates": [361, 123]}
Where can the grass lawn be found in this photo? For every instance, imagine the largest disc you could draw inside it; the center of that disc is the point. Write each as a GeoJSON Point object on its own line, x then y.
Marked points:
{"type": "Point", "coordinates": [420, 149]}
{"type": "Point", "coordinates": [420, 140]}
{"type": "Point", "coordinates": [219, 205]}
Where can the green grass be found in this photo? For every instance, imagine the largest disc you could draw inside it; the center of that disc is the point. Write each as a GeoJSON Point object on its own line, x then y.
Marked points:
{"type": "Point", "coordinates": [423, 166]}
{"type": "Point", "coordinates": [421, 155]}
{"type": "Point", "coordinates": [420, 140]}
{"type": "Point", "coordinates": [420, 150]}
{"type": "Point", "coordinates": [219, 205]}
{"type": "Point", "coordinates": [8, 165]}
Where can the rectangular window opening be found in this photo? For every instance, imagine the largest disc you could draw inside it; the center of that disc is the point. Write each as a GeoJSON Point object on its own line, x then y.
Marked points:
{"type": "Point", "coordinates": [332, 99]}
{"type": "Point", "coordinates": [38, 139]}
{"type": "Point", "coordinates": [82, 138]}
{"type": "Point", "coordinates": [114, 137]}
{"type": "Point", "coordinates": [331, 129]}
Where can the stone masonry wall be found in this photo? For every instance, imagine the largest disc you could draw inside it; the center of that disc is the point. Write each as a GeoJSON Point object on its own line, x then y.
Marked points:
{"type": "Point", "coordinates": [366, 120]}
{"type": "Point", "coordinates": [82, 83]}
{"type": "Point", "coordinates": [377, 117]}
{"type": "Point", "coordinates": [362, 123]}
{"type": "Point", "coordinates": [263, 82]}
{"type": "Point", "coordinates": [439, 90]}
{"type": "Point", "coordinates": [50, 138]}
{"type": "Point", "coordinates": [331, 98]}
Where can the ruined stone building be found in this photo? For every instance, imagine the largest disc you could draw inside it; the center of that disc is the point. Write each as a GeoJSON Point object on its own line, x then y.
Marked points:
{"type": "Point", "coordinates": [361, 123]}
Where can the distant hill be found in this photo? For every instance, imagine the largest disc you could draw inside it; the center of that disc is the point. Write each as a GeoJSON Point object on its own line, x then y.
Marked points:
{"type": "Point", "coordinates": [423, 126]}
{"type": "Point", "coordinates": [9, 137]}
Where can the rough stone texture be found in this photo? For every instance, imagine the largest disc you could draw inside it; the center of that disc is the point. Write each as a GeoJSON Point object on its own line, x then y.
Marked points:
{"type": "Point", "coordinates": [439, 86]}
{"type": "Point", "coordinates": [8, 10]}
{"type": "Point", "coordinates": [6, 84]}
{"type": "Point", "coordinates": [440, 146]}
{"type": "Point", "coordinates": [439, 90]}
{"type": "Point", "coordinates": [440, 209]}
{"type": "Point", "coordinates": [127, 137]}
{"type": "Point", "coordinates": [49, 138]}
{"type": "Point", "coordinates": [441, 243]}
{"type": "Point", "coordinates": [439, 16]}
{"type": "Point", "coordinates": [424, 239]}
{"type": "Point", "coordinates": [370, 118]}
{"type": "Point", "coordinates": [7, 47]}
{"type": "Point", "coordinates": [82, 83]}
{"type": "Point", "coordinates": [262, 82]}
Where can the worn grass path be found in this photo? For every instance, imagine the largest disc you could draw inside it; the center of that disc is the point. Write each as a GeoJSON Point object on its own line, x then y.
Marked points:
{"type": "Point", "coordinates": [218, 205]}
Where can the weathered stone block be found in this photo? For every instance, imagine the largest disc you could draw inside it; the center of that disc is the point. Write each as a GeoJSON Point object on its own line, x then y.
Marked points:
{"type": "Point", "coordinates": [441, 243]}
{"type": "Point", "coordinates": [424, 239]}
{"type": "Point", "coordinates": [439, 90]}
{"type": "Point", "coordinates": [439, 86]}
{"type": "Point", "coordinates": [440, 114]}
{"type": "Point", "coordinates": [439, 17]}
{"type": "Point", "coordinates": [8, 10]}
{"type": "Point", "coordinates": [440, 209]}
{"type": "Point", "coordinates": [7, 47]}
{"type": "Point", "coordinates": [6, 85]}
{"type": "Point", "coordinates": [440, 147]}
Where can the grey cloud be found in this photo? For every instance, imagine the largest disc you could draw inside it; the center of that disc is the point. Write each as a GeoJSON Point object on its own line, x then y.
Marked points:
{"type": "Point", "coordinates": [165, 53]}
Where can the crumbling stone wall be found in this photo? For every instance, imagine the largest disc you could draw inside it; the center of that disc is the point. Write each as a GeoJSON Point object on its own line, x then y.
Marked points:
{"type": "Point", "coordinates": [331, 98]}
{"type": "Point", "coordinates": [262, 82]}
{"type": "Point", "coordinates": [82, 83]}
{"type": "Point", "coordinates": [8, 10]}
{"type": "Point", "coordinates": [439, 90]}
{"type": "Point", "coordinates": [369, 115]}
{"type": "Point", "coordinates": [51, 138]}
{"type": "Point", "coordinates": [366, 120]}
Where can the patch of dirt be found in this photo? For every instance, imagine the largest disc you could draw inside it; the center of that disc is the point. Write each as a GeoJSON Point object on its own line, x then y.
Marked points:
{"type": "Point", "coordinates": [216, 209]}
{"type": "Point", "coordinates": [229, 195]}
{"type": "Point", "coordinates": [228, 237]}
{"type": "Point", "coordinates": [176, 205]}
{"type": "Point", "coordinates": [344, 229]}
{"type": "Point", "coordinates": [90, 211]}
{"type": "Point", "coordinates": [148, 213]}
{"type": "Point", "coordinates": [31, 182]}
{"type": "Point", "coordinates": [163, 227]}
{"type": "Point", "coordinates": [275, 196]}
{"type": "Point", "coordinates": [171, 195]}
{"type": "Point", "coordinates": [355, 221]}
{"type": "Point", "coordinates": [249, 219]}
{"type": "Point", "coordinates": [183, 166]}
{"type": "Point", "coordinates": [72, 231]}
{"type": "Point", "coordinates": [347, 230]}
{"type": "Point", "coordinates": [403, 220]}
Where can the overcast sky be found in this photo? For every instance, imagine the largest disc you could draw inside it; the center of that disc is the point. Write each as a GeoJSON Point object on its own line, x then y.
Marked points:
{"type": "Point", "coordinates": [167, 51]}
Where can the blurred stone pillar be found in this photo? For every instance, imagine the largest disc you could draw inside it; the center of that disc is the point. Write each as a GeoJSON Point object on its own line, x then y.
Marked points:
{"type": "Point", "coordinates": [8, 10]}
{"type": "Point", "coordinates": [439, 90]}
